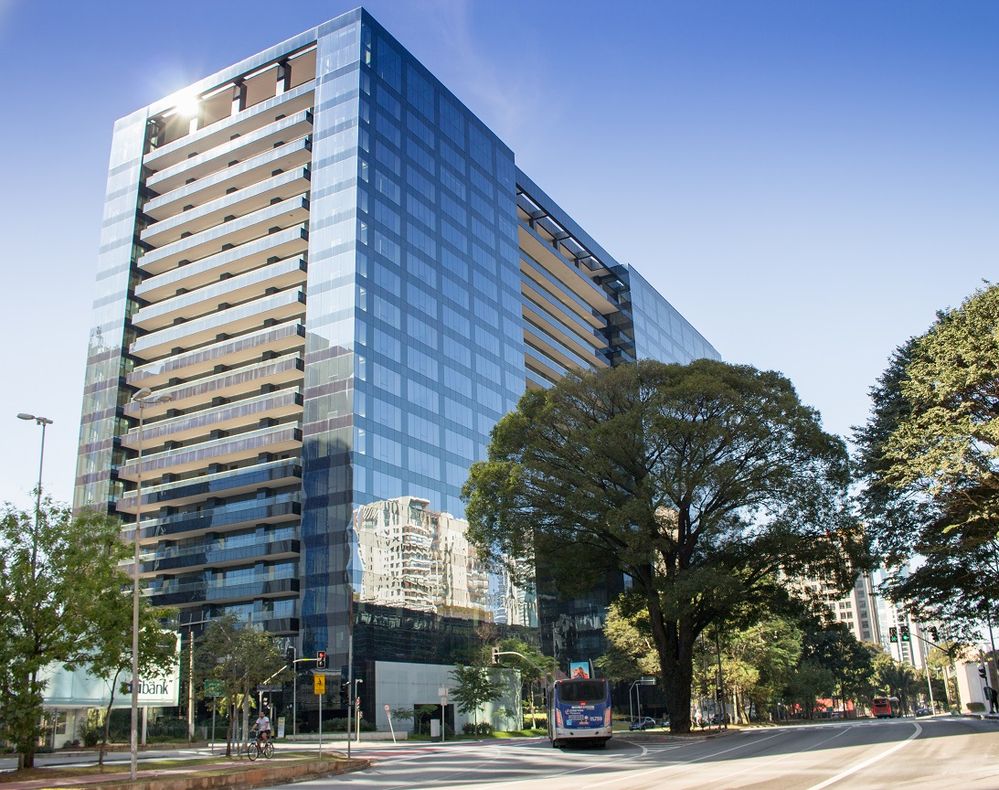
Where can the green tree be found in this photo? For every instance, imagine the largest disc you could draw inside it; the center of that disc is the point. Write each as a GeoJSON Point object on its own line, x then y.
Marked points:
{"type": "Point", "coordinates": [536, 669]}
{"type": "Point", "coordinates": [807, 683]}
{"type": "Point", "coordinates": [58, 578]}
{"type": "Point", "coordinates": [897, 679]}
{"type": "Point", "coordinates": [699, 482]}
{"type": "Point", "coordinates": [631, 651]}
{"type": "Point", "coordinates": [111, 658]}
{"type": "Point", "coordinates": [929, 462]}
{"type": "Point", "coordinates": [242, 657]}
{"type": "Point", "coordinates": [473, 688]}
{"type": "Point", "coordinates": [947, 446]}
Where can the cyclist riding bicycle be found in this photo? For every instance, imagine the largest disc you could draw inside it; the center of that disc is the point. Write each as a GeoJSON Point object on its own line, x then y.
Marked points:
{"type": "Point", "coordinates": [262, 726]}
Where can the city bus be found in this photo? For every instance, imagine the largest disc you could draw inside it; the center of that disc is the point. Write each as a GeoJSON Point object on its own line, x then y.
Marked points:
{"type": "Point", "coordinates": [579, 711]}
{"type": "Point", "coordinates": [885, 708]}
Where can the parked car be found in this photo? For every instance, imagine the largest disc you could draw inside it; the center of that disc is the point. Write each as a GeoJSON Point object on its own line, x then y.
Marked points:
{"type": "Point", "coordinates": [924, 711]}
{"type": "Point", "coordinates": [644, 723]}
{"type": "Point", "coordinates": [665, 723]}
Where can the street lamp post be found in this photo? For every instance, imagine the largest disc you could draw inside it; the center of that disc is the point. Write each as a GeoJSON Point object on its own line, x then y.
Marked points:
{"type": "Point", "coordinates": [144, 397]}
{"type": "Point", "coordinates": [43, 421]}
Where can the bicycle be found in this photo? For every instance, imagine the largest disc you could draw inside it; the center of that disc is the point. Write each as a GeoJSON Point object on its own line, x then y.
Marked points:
{"type": "Point", "coordinates": [255, 748]}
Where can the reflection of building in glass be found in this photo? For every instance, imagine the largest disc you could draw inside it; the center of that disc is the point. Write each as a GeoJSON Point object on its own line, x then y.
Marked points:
{"type": "Point", "coordinates": [416, 558]}
{"type": "Point", "coordinates": [342, 281]}
{"type": "Point", "coordinates": [419, 559]}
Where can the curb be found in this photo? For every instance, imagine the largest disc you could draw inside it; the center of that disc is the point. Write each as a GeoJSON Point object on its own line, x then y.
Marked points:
{"type": "Point", "coordinates": [222, 777]}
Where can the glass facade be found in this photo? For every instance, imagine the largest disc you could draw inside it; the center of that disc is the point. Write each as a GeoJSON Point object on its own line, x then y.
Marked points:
{"type": "Point", "coordinates": [336, 281]}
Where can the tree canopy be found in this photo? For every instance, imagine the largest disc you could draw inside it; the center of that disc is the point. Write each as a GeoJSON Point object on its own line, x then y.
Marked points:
{"type": "Point", "coordinates": [63, 599]}
{"type": "Point", "coordinates": [929, 459]}
{"type": "Point", "coordinates": [242, 657]}
{"type": "Point", "coordinates": [706, 484]}
{"type": "Point", "coordinates": [474, 687]}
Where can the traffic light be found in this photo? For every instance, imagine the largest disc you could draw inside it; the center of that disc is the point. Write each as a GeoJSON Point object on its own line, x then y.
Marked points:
{"type": "Point", "coordinates": [934, 633]}
{"type": "Point", "coordinates": [981, 671]}
{"type": "Point", "coordinates": [893, 635]}
{"type": "Point", "coordinates": [289, 654]}
{"type": "Point", "coordinates": [321, 659]}
{"type": "Point", "coordinates": [905, 633]}
{"type": "Point", "coordinates": [496, 652]}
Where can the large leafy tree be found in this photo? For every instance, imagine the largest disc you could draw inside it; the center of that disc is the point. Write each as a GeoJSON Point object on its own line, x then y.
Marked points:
{"type": "Point", "coordinates": [947, 446]}
{"type": "Point", "coordinates": [929, 459]}
{"type": "Point", "coordinates": [61, 587]}
{"type": "Point", "coordinates": [700, 482]}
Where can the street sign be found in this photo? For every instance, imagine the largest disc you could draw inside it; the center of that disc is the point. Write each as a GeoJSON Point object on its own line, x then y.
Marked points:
{"type": "Point", "coordinates": [387, 708]}
{"type": "Point", "coordinates": [214, 688]}
{"type": "Point", "coordinates": [319, 684]}
{"type": "Point", "coordinates": [268, 689]}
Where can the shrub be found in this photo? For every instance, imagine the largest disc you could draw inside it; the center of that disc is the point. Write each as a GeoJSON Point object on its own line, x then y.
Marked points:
{"type": "Point", "coordinates": [468, 728]}
{"type": "Point", "coordinates": [976, 707]}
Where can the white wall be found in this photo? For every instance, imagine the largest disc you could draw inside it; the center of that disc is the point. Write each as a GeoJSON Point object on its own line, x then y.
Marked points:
{"type": "Point", "coordinates": [403, 685]}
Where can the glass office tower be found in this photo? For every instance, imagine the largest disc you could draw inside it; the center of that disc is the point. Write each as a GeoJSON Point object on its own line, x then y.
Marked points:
{"type": "Point", "coordinates": [335, 280]}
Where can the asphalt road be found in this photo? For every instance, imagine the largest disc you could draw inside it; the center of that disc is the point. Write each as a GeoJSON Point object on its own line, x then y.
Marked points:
{"type": "Point", "coordinates": [940, 753]}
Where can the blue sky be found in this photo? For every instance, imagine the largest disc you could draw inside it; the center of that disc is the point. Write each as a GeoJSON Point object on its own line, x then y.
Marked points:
{"type": "Point", "coordinates": [806, 182]}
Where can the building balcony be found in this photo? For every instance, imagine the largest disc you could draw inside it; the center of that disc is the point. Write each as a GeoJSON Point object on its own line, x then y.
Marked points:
{"type": "Point", "coordinates": [257, 168]}
{"type": "Point", "coordinates": [229, 384]}
{"type": "Point", "coordinates": [230, 483]}
{"type": "Point", "coordinates": [279, 509]}
{"type": "Point", "coordinates": [282, 244]}
{"type": "Point", "coordinates": [242, 318]}
{"type": "Point", "coordinates": [204, 592]}
{"type": "Point", "coordinates": [227, 353]}
{"type": "Point", "coordinates": [228, 417]}
{"type": "Point", "coordinates": [235, 232]}
{"type": "Point", "coordinates": [290, 103]}
{"type": "Point", "coordinates": [273, 135]}
{"type": "Point", "coordinates": [234, 290]}
{"type": "Point", "coordinates": [198, 558]}
{"type": "Point", "coordinates": [242, 201]}
{"type": "Point", "coordinates": [274, 440]}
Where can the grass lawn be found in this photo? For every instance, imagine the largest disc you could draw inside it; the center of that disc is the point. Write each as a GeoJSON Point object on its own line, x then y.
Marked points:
{"type": "Point", "coordinates": [201, 766]}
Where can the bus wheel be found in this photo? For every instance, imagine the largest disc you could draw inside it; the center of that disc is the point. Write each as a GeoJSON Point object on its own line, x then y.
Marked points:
{"type": "Point", "coordinates": [555, 744]}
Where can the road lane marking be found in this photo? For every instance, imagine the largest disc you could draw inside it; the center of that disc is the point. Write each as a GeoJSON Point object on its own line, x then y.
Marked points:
{"type": "Point", "coordinates": [633, 775]}
{"type": "Point", "coordinates": [868, 762]}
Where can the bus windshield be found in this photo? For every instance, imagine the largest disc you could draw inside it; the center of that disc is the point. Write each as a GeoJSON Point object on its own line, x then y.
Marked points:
{"type": "Point", "coordinates": [582, 691]}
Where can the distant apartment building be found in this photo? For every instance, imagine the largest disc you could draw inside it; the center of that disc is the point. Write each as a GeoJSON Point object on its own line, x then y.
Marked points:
{"type": "Point", "coordinates": [335, 279]}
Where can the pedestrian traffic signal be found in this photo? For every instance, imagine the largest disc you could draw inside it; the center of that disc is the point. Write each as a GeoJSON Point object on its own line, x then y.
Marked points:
{"type": "Point", "coordinates": [496, 652]}
{"type": "Point", "coordinates": [905, 633]}
{"type": "Point", "coordinates": [893, 635]}
{"type": "Point", "coordinates": [981, 671]}
{"type": "Point", "coordinates": [289, 654]}
{"type": "Point", "coordinates": [934, 633]}
{"type": "Point", "coordinates": [321, 659]}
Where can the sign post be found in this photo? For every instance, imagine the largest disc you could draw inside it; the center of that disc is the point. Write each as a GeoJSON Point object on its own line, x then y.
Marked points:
{"type": "Point", "coordinates": [319, 688]}
{"type": "Point", "coordinates": [442, 691]}
{"type": "Point", "coordinates": [388, 715]}
{"type": "Point", "coordinates": [214, 689]}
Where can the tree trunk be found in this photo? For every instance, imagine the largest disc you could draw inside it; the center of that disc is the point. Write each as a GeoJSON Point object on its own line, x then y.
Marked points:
{"type": "Point", "coordinates": [26, 758]}
{"type": "Point", "coordinates": [674, 640]}
{"type": "Point", "coordinates": [107, 723]}
{"type": "Point", "coordinates": [246, 713]}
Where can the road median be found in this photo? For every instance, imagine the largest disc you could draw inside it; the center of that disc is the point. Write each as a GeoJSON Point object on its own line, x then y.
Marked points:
{"type": "Point", "coordinates": [204, 776]}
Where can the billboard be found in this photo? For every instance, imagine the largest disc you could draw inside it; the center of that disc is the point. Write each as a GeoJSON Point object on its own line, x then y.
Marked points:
{"type": "Point", "coordinates": [80, 689]}
{"type": "Point", "coordinates": [580, 670]}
